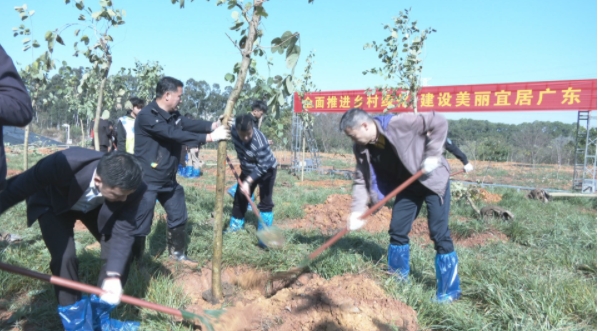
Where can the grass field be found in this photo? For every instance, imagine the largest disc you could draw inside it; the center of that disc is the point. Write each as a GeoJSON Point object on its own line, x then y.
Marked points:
{"type": "Point", "coordinates": [540, 276]}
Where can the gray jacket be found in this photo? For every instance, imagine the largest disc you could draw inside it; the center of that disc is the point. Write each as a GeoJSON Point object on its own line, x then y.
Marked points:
{"type": "Point", "coordinates": [414, 138]}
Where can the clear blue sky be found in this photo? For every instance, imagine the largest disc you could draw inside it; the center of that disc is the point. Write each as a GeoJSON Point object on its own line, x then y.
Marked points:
{"type": "Point", "coordinates": [477, 41]}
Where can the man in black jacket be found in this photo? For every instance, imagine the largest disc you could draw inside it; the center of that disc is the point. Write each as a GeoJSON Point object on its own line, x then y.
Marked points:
{"type": "Point", "coordinates": [160, 133]}
{"type": "Point", "coordinates": [453, 149]}
{"type": "Point", "coordinates": [15, 104]}
{"type": "Point", "coordinates": [101, 190]}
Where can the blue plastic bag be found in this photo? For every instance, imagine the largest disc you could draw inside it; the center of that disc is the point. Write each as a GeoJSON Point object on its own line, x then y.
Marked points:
{"type": "Point", "coordinates": [92, 314]}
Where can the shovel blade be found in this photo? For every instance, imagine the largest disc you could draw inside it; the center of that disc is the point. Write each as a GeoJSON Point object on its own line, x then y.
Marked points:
{"type": "Point", "coordinates": [272, 237]}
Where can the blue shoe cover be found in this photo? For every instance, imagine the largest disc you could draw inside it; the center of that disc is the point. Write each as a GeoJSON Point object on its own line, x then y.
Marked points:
{"type": "Point", "coordinates": [92, 314]}
{"type": "Point", "coordinates": [188, 171]}
{"type": "Point", "coordinates": [448, 285]}
{"type": "Point", "coordinates": [196, 172]}
{"type": "Point", "coordinates": [181, 170]}
{"type": "Point", "coordinates": [78, 316]}
{"type": "Point", "coordinates": [268, 218]}
{"type": "Point", "coordinates": [101, 317]}
{"type": "Point", "coordinates": [232, 190]}
{"type": "Point", "coordinates": [235, 224]}
{"type": "Point", "coordinates": [398, 261]}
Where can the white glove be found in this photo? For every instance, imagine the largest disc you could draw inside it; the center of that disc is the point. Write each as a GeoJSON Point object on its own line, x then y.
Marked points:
{"type": "Point", "coordinates": [355, 222]}
{"type": "Point", "coordinates": [430, 164]}
{"type": "Point", "coordinates": [113, 290]}
{"type": "Point", "coordinates": [220, 133]}
{"type": "Point", "coordinates": [468, 167]}
{"type": "Point", "coordinates": [220, 122]}
{"type": "Point", "coordinates": [244, 187]}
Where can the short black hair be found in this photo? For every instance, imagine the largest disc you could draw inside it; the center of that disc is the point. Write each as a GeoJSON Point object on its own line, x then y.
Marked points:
{"type": "Point", "coordinates": [244, 122]}
{"type": "Point", "coordinates": [353, 117]}
{"type": "Point", "coordinates": [137, 102]}
{"type": "Point", "coordinates": [120, 169]}
{"type": "Point", "coordinates": [167, 84]}
{"type": "Point", "coordinates": [259, 104]}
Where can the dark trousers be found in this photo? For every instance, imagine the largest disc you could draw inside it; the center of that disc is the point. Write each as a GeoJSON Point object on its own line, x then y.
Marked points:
{"type": "Point", "coordinates": [171, 197]}
{"type": "Point", "coordinates": [266, 185]}
{"type": "Point", "coordinates": [406, 208]}
{"type": "Point", "coordinates": [58, 234]}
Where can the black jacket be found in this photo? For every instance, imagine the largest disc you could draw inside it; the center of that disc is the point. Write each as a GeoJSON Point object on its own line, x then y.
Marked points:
{"type": "Point", "coordinates": [57, 182]}
{"type": "Point", "coordinates": [453, 149]}
{"type": "Point", "coordinates": [159, 137]}
{"type": "Point", "coordinates": [15, 104]}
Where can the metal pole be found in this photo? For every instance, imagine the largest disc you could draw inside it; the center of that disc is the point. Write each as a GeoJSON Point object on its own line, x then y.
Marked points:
{"type": "Point", "coordinates": [303, 157]}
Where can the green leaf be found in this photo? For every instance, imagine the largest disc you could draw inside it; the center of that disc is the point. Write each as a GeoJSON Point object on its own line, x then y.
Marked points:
{"type": "Point", "coordinates": [261, 12]}
{"type": "Point", "coordinates": [59, 40]}
{"type": "Point", "coordinates": [280, 126]}
{"type": "Point", "coordinates": [281, 100]}
{"type": "Point", "coordinates": [96, 15]}
{"type": "Point", "coordinates": [109, 38]}
{"type": "Point", "coordinates": [85, 39]}
{"type": "Point", "coordinates": [79, 5]}
{"type": "Point", "coordinates": [237, 26]}
{"type": "Point", "coordinates": [235, 15]}
{"type": "Point", "coordinates": [289, 85]}
{"type": "Point", "coordinates": [229, 77]}
{"type": "Point", "coordinates": [292, 60]}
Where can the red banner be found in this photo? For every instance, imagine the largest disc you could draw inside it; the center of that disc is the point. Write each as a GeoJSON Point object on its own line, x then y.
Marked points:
{"type": "Point", "coordinates": [549, 95]}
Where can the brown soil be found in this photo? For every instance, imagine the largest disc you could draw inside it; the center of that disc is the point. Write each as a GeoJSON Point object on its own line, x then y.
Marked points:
{"type": "Point", "coordinates": [12, 172]}
{"type": "Point", "coordinates": [333, 214]}
{"type": "Point", "coordinates": [343, 303]}
{"type": "Point", "coordinates": [79, 226]}
{"type": "Point", "coordinates": [491, 198]}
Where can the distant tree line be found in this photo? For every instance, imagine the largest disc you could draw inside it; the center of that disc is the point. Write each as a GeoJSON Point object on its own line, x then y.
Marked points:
{"type": "Point", "coordinates": [537, 142]}
{"type": "Point", "coordinates": [533, 143]}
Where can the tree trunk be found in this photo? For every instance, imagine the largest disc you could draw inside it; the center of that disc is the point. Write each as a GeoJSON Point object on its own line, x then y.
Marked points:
{"type": "Point", "coordinates": [82, 132]}
{"type": "Point", "coordinates": [26, 148]}
{"type": "Point", "coordinates": [221, 160]}
{"type": "Point", "coordinates": [96, 124]}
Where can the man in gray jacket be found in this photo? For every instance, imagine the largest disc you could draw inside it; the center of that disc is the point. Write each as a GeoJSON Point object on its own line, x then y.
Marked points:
{"type": "Point", "coordinates": [392, 150]}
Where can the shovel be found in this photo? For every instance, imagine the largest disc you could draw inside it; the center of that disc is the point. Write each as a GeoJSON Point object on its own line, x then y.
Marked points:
{"type": "Point", "coordinates": [271, 236]}
{"type": "Point", "coordinates": [207, 317]}
{"type": "Point", "coordinates": [295, 272]}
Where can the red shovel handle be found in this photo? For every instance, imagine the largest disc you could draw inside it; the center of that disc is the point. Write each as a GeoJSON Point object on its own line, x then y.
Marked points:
{"type": "Point", "coordinates": [87, 288]}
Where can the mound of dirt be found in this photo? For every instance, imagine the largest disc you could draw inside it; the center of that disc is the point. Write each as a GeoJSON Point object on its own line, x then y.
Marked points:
{"type": "Point", "coordinates": [346, 302]}
{"type": "Point", "coordinates": [491, 198]}
{"type": "Point", "coordinates": [332, 215]}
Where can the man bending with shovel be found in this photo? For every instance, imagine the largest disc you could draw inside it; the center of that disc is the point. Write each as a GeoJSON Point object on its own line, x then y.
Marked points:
{"type": "Point", "coordinates": [258, 166]}
{"type": "Point", "coordinates": [101, 190]}
{"type": "Point", "coordinates": [392, 151]}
